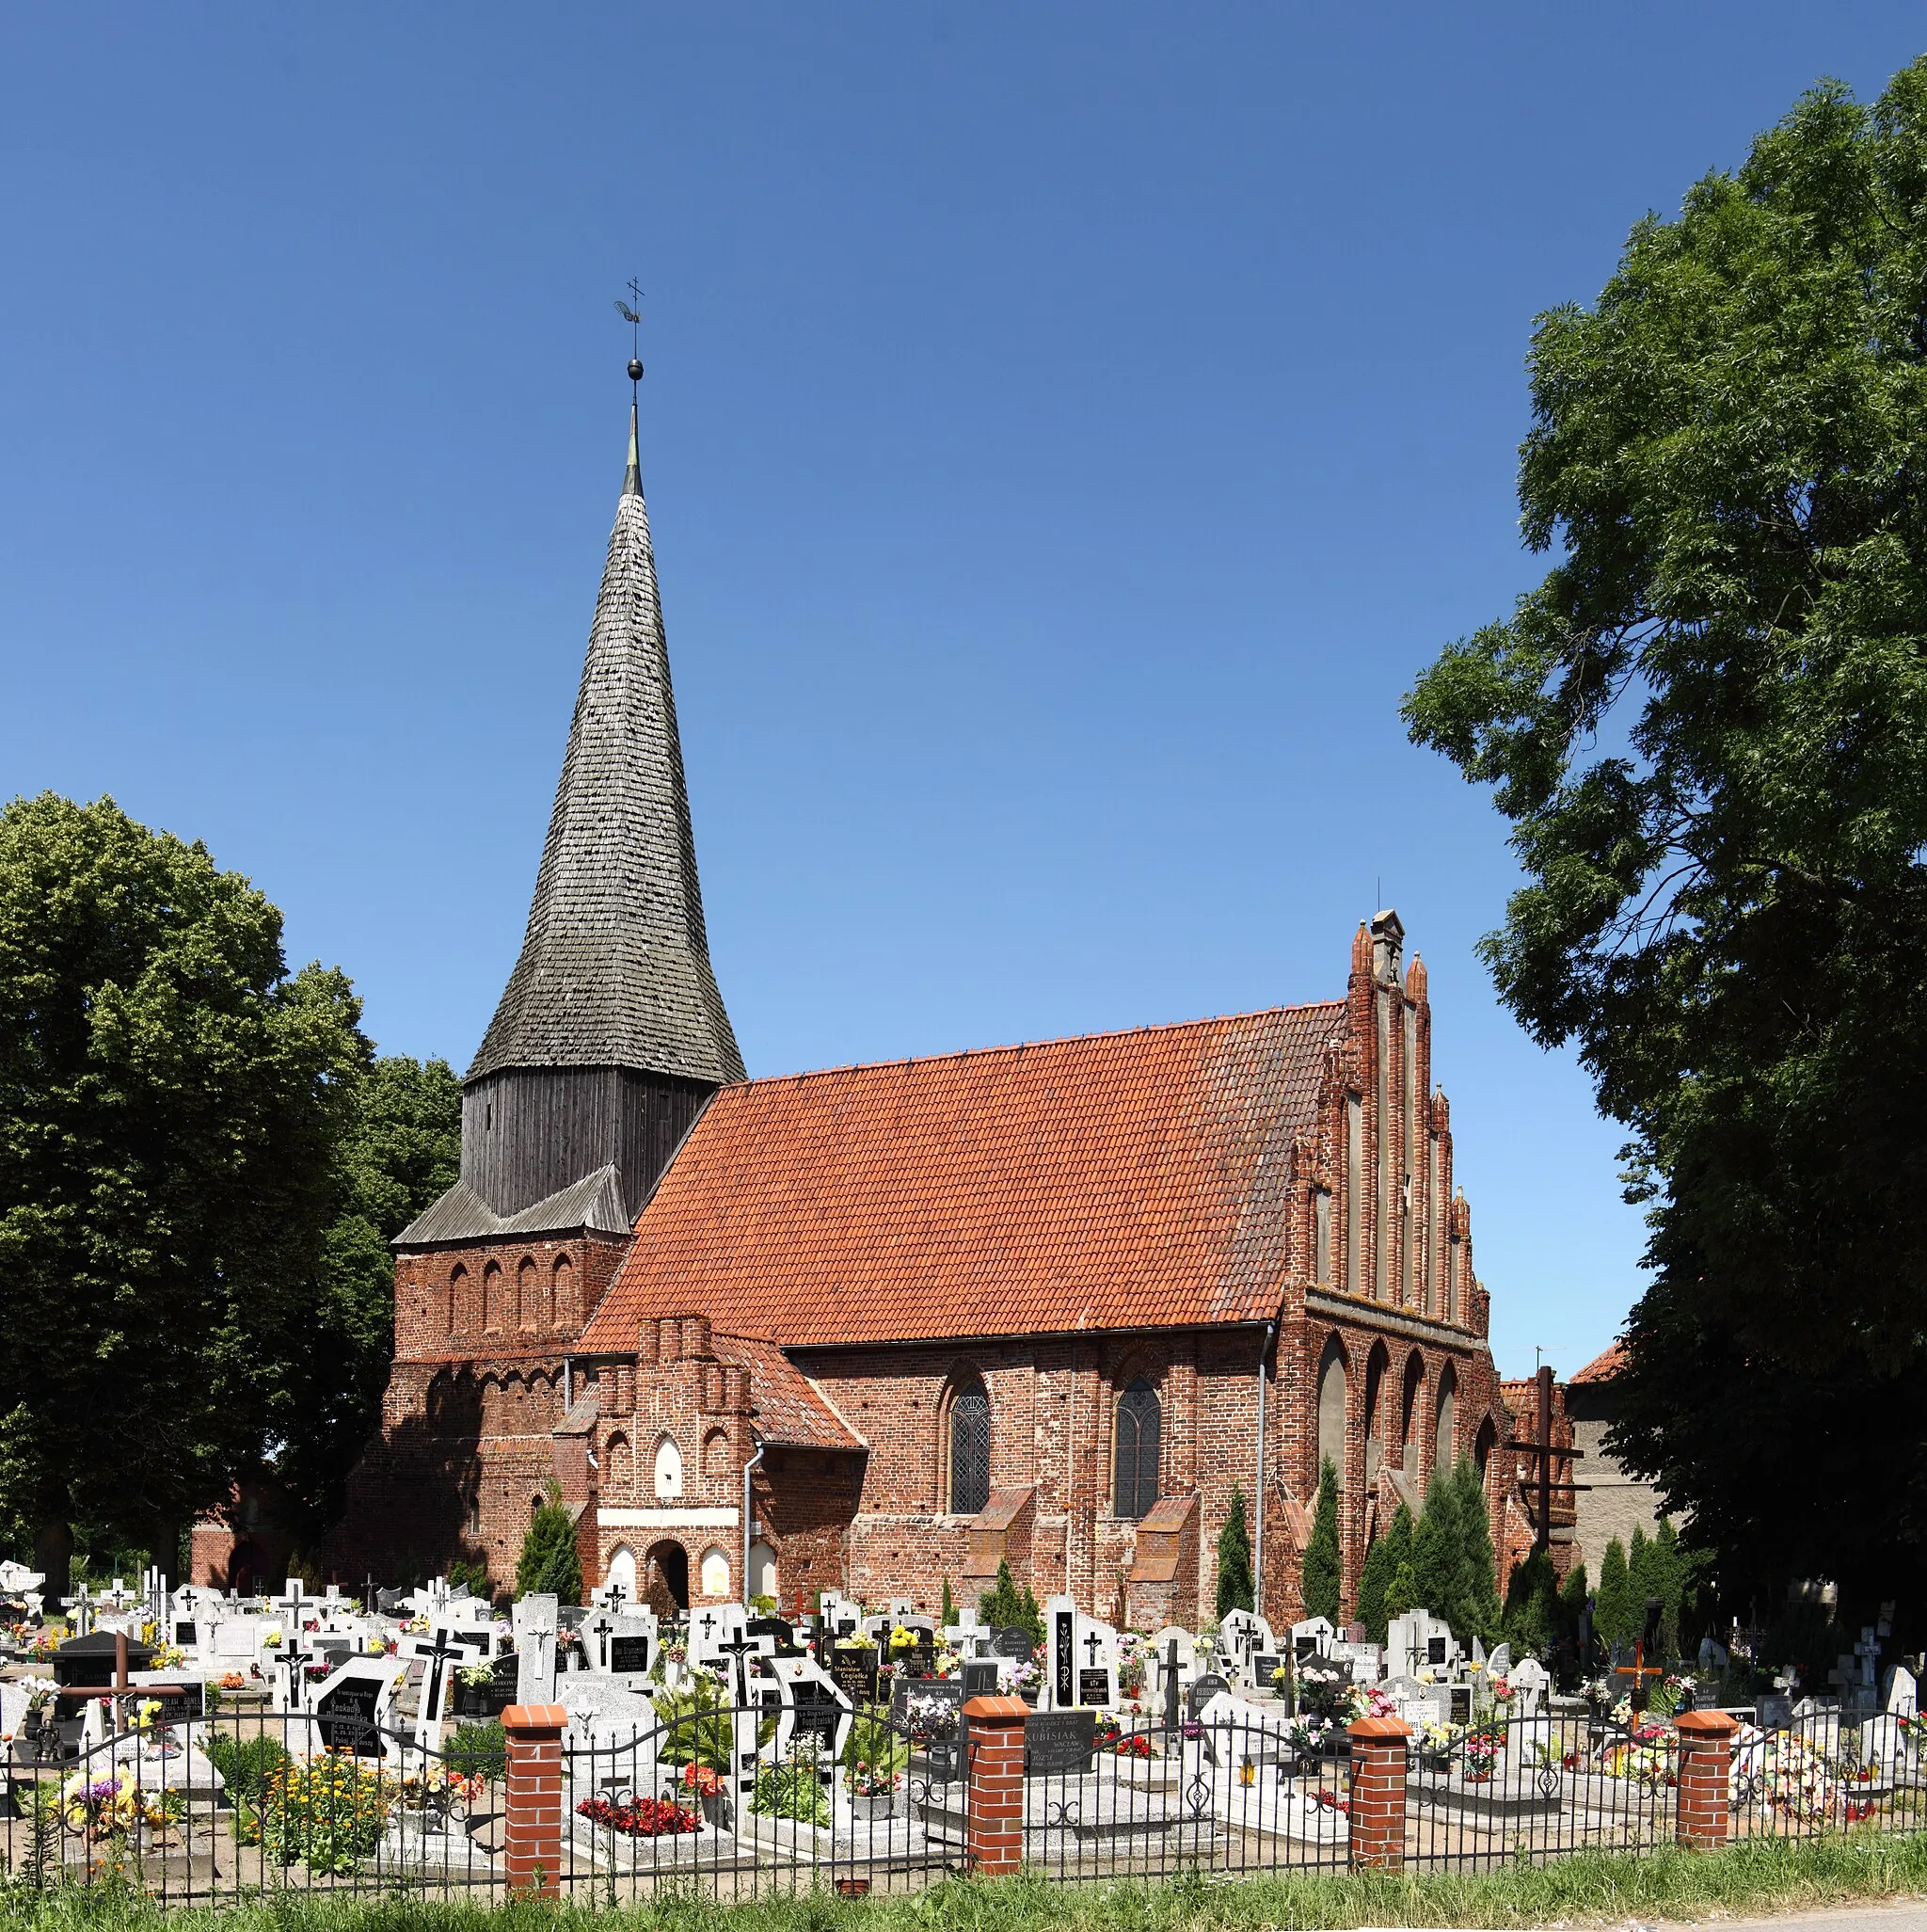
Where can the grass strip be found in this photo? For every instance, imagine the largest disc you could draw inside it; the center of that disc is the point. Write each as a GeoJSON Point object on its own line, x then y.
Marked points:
{"type": "Point", "coordinates": [1766, 1876]}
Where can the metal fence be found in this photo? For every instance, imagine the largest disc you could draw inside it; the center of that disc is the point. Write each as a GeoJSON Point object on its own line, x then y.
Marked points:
{"type": "Point", "coordinates": [743, 1802]}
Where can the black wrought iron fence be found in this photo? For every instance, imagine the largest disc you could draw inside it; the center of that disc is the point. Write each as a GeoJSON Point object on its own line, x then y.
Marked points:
{"type": "Point", "coordinates": [1239, 1794]}
{"type": "Point", "coordinates": [743, 1801]}
{"type": "Point", "coordinates": [244, 1802]}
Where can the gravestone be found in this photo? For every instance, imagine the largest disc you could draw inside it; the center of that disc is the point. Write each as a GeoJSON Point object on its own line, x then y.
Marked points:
{"type": "Point", "coordinates": [533, 1621]}
{"type": "Point", "coordinates": [711, 1629]}
{"type": "Point", "coordinates": [813, 1710]}
{"type": "Point", "coordinates": [1312, 1638]}
{"type": "Point", "coordinates": [1059, 1743]}
{"type": "Point", "coordinates": [1203, 1690]}
{"type": "Point", "coordinates": [1010, 1641]}
{"type": "Point", "coordinates": [979, 1676]}
{"type": "Point", "coordinates": [931, 1709]}
{"type": "Point", "coordinates": [1902, 1696]}
{"type": "Point", "coordinates": [1532, 1685]}
{"type": "Point", "coordinates": [852, 1669]}
{"type": "Point", "coordinates": [1500, 1662]}
{"type": "Point", "coordinates": [778, 1632]}
{"type": "Point", "coordinates": [353, 1706]}
{"type": "Point", "coordinates": [1774, 1711]}
{"type": "Point", "coordinates": [1061, 1655]}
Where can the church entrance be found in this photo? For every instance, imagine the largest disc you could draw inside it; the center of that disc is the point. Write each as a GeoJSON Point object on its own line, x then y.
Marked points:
{"type": "Point", "coordinates": [669, 1561]}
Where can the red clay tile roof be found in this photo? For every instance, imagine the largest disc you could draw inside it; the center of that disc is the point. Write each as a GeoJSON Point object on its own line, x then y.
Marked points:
{"type": "Point", "coordinates": [1123, 1180]}
{"type": "Point", "coordinates": [788, 1407]}
{"type": "Point", "coordinates": [1604, 1368]}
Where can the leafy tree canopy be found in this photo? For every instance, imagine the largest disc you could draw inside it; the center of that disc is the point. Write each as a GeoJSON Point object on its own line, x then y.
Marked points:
{"type": "Point", "coordinates": [1707, 728]}
{"type": "Point", "coordinates": [170, 1098]}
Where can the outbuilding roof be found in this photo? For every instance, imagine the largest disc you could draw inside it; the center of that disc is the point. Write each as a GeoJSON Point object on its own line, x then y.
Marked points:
{"type": "Point", "coordinates": [1120, 1180]}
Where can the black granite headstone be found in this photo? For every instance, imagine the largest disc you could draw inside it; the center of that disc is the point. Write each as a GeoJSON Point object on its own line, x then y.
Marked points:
{"type": "Point", "coordinates": [853, 1670]}
{"type": "Point", "coordinates": [1202, 1691]}
{"type": "Point", "coordinates": [778, 1627]}
{"type": "Point", "coordinates": [1094, 1687]}
{"type": "Point", "coordinates": [1435, 1651]}
{"type": "Point", "coordinates": [345, 1717]}
{"type": "Point", "coordinates": [1059, 1743]}
{"type": "Point", "coordinates": [1063, 1661]}
{"type": "Point", "coordinates": [1012, 1642]}
{"type": "Point", "coordinates": [818, 1713]}
{"type": "Point", "coordinates": [979, 1676]}
{"type": "Point", "coordinates": [628, 1656]}
{"type": "Point", "coordinates": [179, 1703]}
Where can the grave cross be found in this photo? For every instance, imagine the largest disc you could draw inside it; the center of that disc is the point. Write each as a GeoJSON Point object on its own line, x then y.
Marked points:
{"type": "Point", "coordinates": [1093, 1643]}
{"type": "Point", "coordinates": [82, 1604]}
{"type": "Point", "coordinates": [1542, 1452]}
{"type": "Point", "coordinates": [1868, 1651]}
{"type": "Point", "coordinates": [441, 1653]}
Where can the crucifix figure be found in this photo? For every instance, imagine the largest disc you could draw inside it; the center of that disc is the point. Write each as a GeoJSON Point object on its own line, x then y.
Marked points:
{"type": "Point", "coordinates": [442, 1654]}
{"type": "Point", "coordinates": [1093, 1643]}
{"type": "Point", "coordinates": [710, 1625]}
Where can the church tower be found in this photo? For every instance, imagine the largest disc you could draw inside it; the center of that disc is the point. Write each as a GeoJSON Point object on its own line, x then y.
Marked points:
{"type": "Point", "coordinates": [609, 1040]}
{"type": "Point", "coordinates": [611, 1033]}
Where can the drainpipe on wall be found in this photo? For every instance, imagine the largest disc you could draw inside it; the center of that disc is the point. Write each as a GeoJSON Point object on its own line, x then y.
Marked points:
{"type": "Point", "coordinates": [1258, 1513]}
{"type": "Point", "coordinates": [746, 1468]}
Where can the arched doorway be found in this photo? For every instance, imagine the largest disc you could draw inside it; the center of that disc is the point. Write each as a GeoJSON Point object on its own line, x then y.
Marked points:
{"type": "Point", "coordinates": [244, 1569]}
{"type": "Point", "coordinates": [670, 1563]}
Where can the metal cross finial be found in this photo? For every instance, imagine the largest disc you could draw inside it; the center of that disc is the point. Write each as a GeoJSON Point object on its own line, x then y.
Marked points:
{"type": "Point", "coordinates": [633, 317]}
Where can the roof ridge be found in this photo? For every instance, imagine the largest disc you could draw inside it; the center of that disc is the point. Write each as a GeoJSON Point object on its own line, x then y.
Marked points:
{"type": "Point", "coordinates": [1015, 1046]}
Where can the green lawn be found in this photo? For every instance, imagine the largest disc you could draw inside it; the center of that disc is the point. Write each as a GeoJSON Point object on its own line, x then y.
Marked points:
{"type": "Point", "coordinates": [1755, 1878]}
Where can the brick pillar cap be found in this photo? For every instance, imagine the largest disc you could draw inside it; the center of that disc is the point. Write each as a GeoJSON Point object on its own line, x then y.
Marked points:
{"type": "Point", "coordinates": [982, 1709]}
{"type": "Point", "coordinates": [1705, 1724]}
{"type": "Point", "coordinates": [1369, 1727]}
{"type": "Point", "coordinates": [535, 1717]}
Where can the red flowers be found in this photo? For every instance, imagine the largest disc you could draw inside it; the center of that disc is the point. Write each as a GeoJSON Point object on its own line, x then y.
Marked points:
{"type": "Point", "coordinates": [701, 1778]}
{"type": "Point", "coordinates": [646, 1817]}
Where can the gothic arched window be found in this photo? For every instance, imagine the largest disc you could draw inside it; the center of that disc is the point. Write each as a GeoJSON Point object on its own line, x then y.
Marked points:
{"type": "Point", "coordinates": [1141, 1433]}
{"type": "Point", "coordinates": [969, 1450]}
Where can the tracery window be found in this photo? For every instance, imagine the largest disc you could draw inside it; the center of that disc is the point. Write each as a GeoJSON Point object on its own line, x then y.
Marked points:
{"type": "Point", "coordinates": [969, 1450]}
{"type": "Point", "coordinates": [1139, 1438]}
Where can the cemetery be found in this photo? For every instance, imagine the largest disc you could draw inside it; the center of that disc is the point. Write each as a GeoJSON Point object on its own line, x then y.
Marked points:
{"type": "Point", "coordinates": [201, 1743]}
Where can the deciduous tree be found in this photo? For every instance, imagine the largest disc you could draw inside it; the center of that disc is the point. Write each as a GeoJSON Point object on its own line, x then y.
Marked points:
{"type": "Point", "coordinates": [1707, 728]}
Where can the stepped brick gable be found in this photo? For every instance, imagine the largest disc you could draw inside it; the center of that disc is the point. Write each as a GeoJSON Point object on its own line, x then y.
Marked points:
{"type": "Point", "coordinates": [1047, 1304]}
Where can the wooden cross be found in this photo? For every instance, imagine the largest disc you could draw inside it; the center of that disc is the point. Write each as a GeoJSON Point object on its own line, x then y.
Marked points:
{"type": "Point", "coordinates": [1543, 1451]}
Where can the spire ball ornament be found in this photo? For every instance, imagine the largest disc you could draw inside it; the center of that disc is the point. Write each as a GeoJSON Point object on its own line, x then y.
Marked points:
{"type": "Point", "coordinates": [635, 370]}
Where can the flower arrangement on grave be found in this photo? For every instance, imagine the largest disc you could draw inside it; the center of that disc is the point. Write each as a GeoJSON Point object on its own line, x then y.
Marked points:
{"type": "Point", "coordinates": [1666, 1695]}
{"type": "Point", "coordinates": [1131, 1665]}
{"type": "Point", "coordinates": [1480, 1750]}
{"type": "Point", "coordinates": [863, 1779]}
{"type": "Point", "coordinates": [1437, 1743]}
{"type": "Point", "coordinates": [1312, 1734]}
{"type": "Point", "coordinates": [39, 1691]}
{"type": "Point", "coordinates": [440, 1789]}
{"type": "Point", "coordinates": [271, 1637]}
{"type": "Point", "coordinates": [1791, 1775]}
{"type": "Point", "coordinates": [701, 1780]}
{"type": "Point", "coordinates": [793, 1790]}
{"type": "Point", "coordinates": [101, 1808]}
{"type": "Point", "coordinates": [1369, 1701]}
{"type": "Point", "coordinates": [329, 1813]}
{"type": "Point", "coordinates": [167, 1656]}
{"type": "Point", "coordinates": [1124, 1744]}
{"type": "Point", "coordinates": [477, 1676]}
{"type": "Point", "coordinates": [1644, 1760]}
{"type": "Point", "coordinates": [317, 1673]}
{"type": "Point", "coordinates": [930, 1720]}
{"type": "Point", "coordinates": [640, 1817]}
{"type": "Point", "coordinates": [233, 1679]}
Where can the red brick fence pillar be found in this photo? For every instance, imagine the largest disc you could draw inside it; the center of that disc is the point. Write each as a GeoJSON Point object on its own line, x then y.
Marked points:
{"type": "Point", "coordinates": [1377, 1793]}
{"type": "Point", "coordinates": [532, 1840]}
{"type": "Point", "coordinates": [994, 1738]}
{"type": "Point", "coordinates": [1705, 1758]}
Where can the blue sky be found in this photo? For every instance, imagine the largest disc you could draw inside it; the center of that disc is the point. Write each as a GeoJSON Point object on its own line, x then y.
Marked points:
{"type": "Point", "coordinates": [1067, 430]}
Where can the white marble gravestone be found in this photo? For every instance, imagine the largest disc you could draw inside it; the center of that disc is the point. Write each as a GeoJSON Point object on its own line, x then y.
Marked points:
{"type": "Point", "coordinates": [535, 1620]}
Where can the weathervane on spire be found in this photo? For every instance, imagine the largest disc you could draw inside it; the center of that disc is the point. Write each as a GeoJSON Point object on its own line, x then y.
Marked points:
{"type": "Point", "coordinates": [633, 317]}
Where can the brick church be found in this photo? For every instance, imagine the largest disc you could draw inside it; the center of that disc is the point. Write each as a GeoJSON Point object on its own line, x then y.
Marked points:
{"type": "Point", "coordinates": [883, 1326]}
